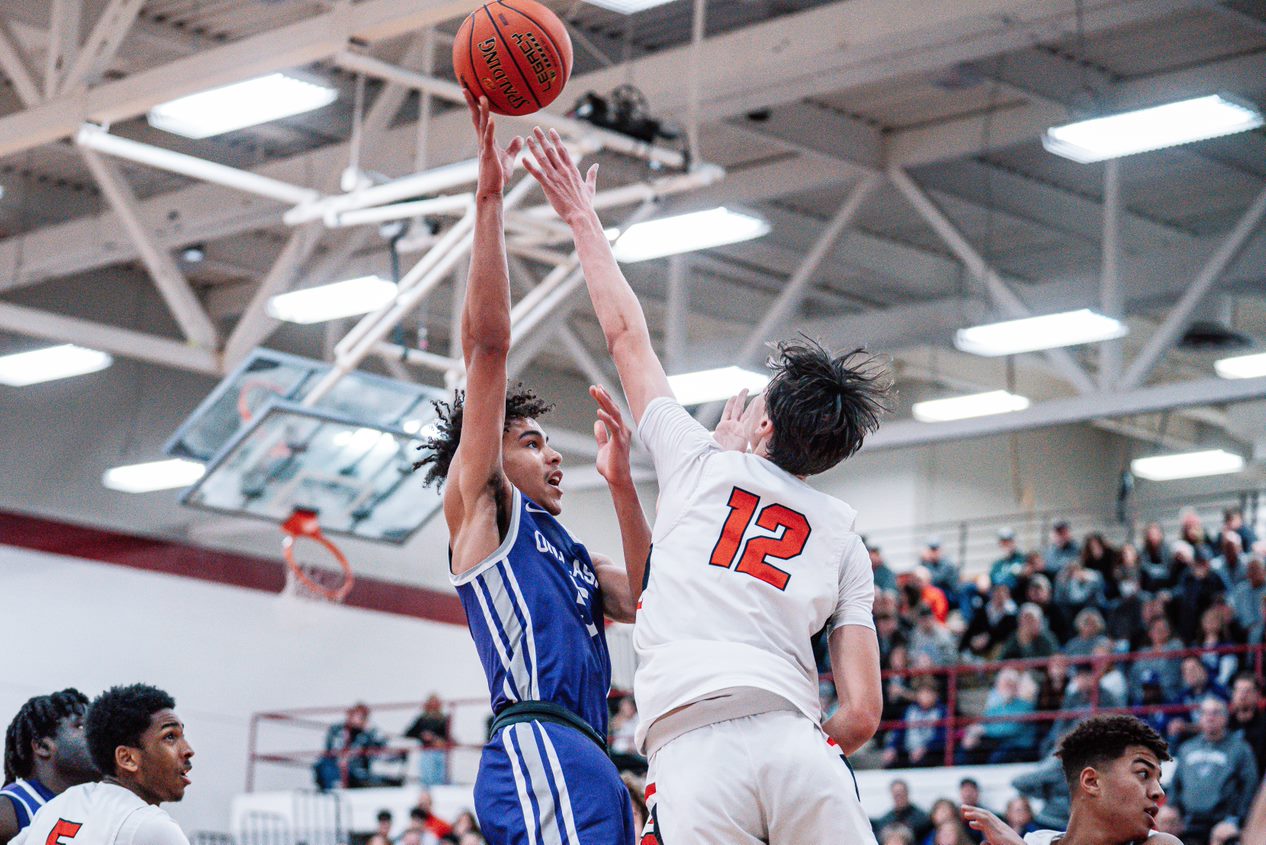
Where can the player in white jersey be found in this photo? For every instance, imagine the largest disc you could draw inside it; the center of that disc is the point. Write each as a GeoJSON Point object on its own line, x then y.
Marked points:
{"type": "Point", "coordinates": [1113, 768]}
{"type": "Point", "coordinates": [138, 742]}
{"type": "Point", "coordinates": [748, 564]}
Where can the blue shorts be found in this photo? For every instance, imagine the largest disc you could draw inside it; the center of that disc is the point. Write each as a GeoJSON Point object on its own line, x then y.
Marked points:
{"type": "Point", "coordinates": [542, 783]}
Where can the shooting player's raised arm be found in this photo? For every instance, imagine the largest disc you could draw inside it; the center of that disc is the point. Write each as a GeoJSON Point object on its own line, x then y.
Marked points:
{"type": "Point", "coordinates": [620, 314]}
{"type": "Point", "coordinates": [476, 478]}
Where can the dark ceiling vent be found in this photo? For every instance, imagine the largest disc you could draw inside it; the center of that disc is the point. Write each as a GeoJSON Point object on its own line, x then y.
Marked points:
{"type": "Point", "coordinates": [1208, 335]}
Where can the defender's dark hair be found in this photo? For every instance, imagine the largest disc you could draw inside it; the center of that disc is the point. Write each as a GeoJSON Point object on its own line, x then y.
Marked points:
{"type": "Point", "coordinates": [521, 403]}
{"type": "Point", "coordinates": [37, 720]}
{"type": "Point", "coordinates": [118, 717]}
{"type": "Point", "coordinates": [1102, 739]}
{"type": "Point", "coordinates": [821, 405]}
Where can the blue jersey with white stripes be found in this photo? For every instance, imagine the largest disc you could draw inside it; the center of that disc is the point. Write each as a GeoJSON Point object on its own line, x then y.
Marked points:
{"type": "Point", "coordinates": [535, 612]}
{"type": "Point", "coordinates": [27, 796]}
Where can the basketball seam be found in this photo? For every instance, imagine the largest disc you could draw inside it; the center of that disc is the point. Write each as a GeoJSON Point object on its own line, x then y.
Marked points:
{"type": "Point", "coordinates": [470, 56]}
{"type": "Point", "coordinates": [545, 32]}
{"type": "Point", "coordinates": [513, 57]}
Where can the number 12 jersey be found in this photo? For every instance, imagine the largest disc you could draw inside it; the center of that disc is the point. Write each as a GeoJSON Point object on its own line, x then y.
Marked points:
{"type": "Point", "coordinates": [748, 564]}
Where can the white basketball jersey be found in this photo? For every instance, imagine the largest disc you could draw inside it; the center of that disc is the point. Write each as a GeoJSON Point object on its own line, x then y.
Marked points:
{"type": "Point", "coordinates": [748, 564]}
{"type": "Point", "coordinates": [100, 814]}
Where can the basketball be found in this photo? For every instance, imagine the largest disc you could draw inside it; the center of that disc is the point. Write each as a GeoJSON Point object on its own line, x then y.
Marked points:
{"type": "Point", "coordinates": [517, 53]}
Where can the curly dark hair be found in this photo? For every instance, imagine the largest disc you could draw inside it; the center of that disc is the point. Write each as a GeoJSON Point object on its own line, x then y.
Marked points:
{"type": "Point", "coordinates": [1102, 739]}
{"type": "Point", "coordinates": [118, 717]}
{"type": "Point", "coordinates": [37, 720]}
{"type": "Point", "coordinates": [822, 406]}
{"type": "Point", "coordinates": [521, 403]}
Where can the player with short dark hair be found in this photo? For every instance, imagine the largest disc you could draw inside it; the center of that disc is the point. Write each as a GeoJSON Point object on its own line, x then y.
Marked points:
{"type": "Point", "coordinates": [1113, 768]}
{"type": "Point", "coordinates": [45, 753]}
{"type": "Point", "coordinates": [138, 742]}
{"type": "Point", "coordinates": [534, 596]}
{"type": "Point", "coordinates": [749, 564]}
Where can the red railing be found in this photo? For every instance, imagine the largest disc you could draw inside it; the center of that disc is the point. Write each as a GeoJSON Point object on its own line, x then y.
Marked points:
{"type": "Point", "coordinates": [953, 723]}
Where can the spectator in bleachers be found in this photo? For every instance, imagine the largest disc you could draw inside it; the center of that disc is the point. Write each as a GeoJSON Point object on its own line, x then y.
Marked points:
{"type": "Point", "coordinates": [1246, 596]}
{"type": "Point", "coordinates": [952, 832]}
{"type": "Point", "coordinates": [885, 578]}
{"type": "Point", "coordinates": [1040, 593]}
{"type": "Point", "coordinates": [895, 834]}
{"type": "Point", "coordinates": [931, 638]}
{"type": "Point", "coordinates": [1098, 556]}
{"type": "Point", "coordinates": [943, 570]}
{"type": "Point", "coordinates": [1192, 531]}
{"type": "Point", "coordinates": [430, 729]}
{"type": "Point", "coordinates": [922, 741]}
{"type": "Point", "coordinates": [1214, 633]}
{"type": "Point", "coordinates": [991, 625]}
{"type": "Point", "coordinates": [1233, 520]}
{"type": "Point", "coordinates": [623, 726]}
{"type": "Point", "coordinates": [465, 824]}
{"type": "Point", "coordinates": [1002, 741]}
{"type": "Point", "coordinates": [1078, 587]}
{"type": "Point", "coordinates": [430, 827]}
{"type": "Point", "coordinates": [1198, 588]}
{"type": "Point", "coordinates": [1153, 698]}
{"type": "Point", "coordinates": [1090, 627]}
{"type": "Point", "coordinates": [1169, 820]}
{"type": "Point", "coordinates": [1156, 559]}
{"type": "Point", "coordinates": [1127, 566]}
{"type": "Point", "coordinates": [969, 793]}
{"type": "Point", "coordinates": [1229, 561]}
{"type": "Point", "coordinates": [382, 836]}
{"type": "Point", "coordinates": [1197, 686]}
{"type": "Point", "coordinates": [928, 595]}
{"type": "Point", "coordinates": [1079, 700]}
{"type": "Point", "coordinates": [904, 813]}
{"type": "Point", "coordinates": [1125, 621]}
{"type": "Point", "coordinates": [888, 630]}
{"type": "Point", "coordinates": [349, 749]}
{"type": "Point", "coordinates": [1007, 568]}
{"type": "Point", "coordinates": [1216, 775]}
{"type": "Point", "coordinates": [1113, 685]}
{"type": "Point", "coordinates": [1020, 815]}
{"type": "Point", "coordinates": [1165, 669]}
{"type": "Point", "coordinates": [1256, 633]}
{"type": "Point", "coordinates": [1063, 548]}
{"type": "Point", "coordinates": [1046, 783]}
{"type": "Point", "coordinates": [1052, 683]}
{"type": "Point", "coordinates": [1031, 639]}
{"type": "Point", "coordinates": [1246, 717]}
{"type": "Point", "coordinates": [943, 810]}
{"type": "Point", "coordinates": [898, 693]}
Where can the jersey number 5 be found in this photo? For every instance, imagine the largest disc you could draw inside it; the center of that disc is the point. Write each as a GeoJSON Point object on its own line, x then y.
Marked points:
{"type": "Point", "coordinates": [758, 551]}
{"type": "Point", "coordinates": [62, 832]}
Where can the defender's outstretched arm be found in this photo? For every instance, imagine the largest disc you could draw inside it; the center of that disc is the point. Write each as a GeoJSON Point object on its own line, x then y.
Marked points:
{"type": "Point", "coordinates": [620, 314]}
{"type": "Point", "coordinates": [475, 479]}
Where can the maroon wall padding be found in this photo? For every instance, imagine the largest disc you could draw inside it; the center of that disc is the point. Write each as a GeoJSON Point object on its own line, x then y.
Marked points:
{"type": "Point", "coordinates": [238, 570]}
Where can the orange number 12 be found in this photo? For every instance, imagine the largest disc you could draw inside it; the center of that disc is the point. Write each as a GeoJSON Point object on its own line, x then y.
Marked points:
{"type": "Point", "coordinates": [759, 550]}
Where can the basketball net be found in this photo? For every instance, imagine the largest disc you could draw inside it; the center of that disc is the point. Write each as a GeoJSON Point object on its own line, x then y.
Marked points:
{"type": "Point", "coordinates": [328, 580]}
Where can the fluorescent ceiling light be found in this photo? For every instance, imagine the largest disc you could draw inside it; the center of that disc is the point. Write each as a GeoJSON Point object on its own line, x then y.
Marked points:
{"type": "Point", "coordinates": [1030, 334]}
{"type": "Point", "coordinates": [242, 104]}
{"type": "Point", "coordinates": [1242, 366]}
{"type": "Point", "coordinates": [155, 475]}
{"type": "Point", "coordinates": [686, 233]}
{"type": "Point", "coordinates": [628, 7]}
{"type": "Point", "coordinates": [971, 405]}
{"type": "Point", "coordinates": [1153, 128]}
{"type": "Point", "coordinates": [1186, 465]}
{"type": "Point", "coordinates": [49, 363]}
{"type": "Point", "coordinates": [330, 302]}
{"type": "Point", "coordinates": [715, 385]}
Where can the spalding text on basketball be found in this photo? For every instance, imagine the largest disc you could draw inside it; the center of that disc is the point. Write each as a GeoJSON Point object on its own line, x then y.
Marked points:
{"type": "Point", "coordinates": [498, 79]}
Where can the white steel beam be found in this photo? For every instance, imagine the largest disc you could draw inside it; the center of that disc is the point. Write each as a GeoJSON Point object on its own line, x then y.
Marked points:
{"type": "Point", "coordinates": [1077, 409]}
{"type": "Point", "coordinates": [1002, 295]}
{"type": "Point", "coordinates": [102, 44]}
{"type": "Point", "coordinates": [306, 41]}
{"type": "Point", "coordinates": [1176, 321]}
{"type": "Point", "coordinates": [15, 66]}
{"type": "Point", "coordinates": [63, 39]}
{"type": "Point", "coordinates": [163, 351]}
{"type": "Point", "coordinates": [1110, 297]}
{"type": "Point", "coordinates": [171, 283]}
{"type": "Point", "coordinates": [255, 324]}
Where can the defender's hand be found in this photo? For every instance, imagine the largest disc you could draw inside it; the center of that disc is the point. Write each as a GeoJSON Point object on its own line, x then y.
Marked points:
{"type": "Point", "coordinates": [614, 438]}
{"type": "Point", "coordinates": [569, 193]}
{"type": "Point", "coordinates": [996, 831]}
{"type": "Point", "coordinates": [495, 163]}
{"type": "Point", "coordinates": [731, 432]}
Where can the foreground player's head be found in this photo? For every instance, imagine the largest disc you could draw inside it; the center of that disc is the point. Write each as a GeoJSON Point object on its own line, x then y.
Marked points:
{"type": "Point", "coordinates": [137, 739]}
{"type": "Point", "coordinates": [818, 407]}
{"type": "Point", "coordinates": [1113, 767]}
{"type": "Point", "coordinates": [46, 741]}
{"type": "Point", "coordinates": [527, 459]}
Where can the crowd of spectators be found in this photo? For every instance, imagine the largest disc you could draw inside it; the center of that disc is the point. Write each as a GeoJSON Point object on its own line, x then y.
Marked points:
{"type": "Point", "coordinates": [1098, 623]}
{"type": "Point", "coordinates": [426, 828]}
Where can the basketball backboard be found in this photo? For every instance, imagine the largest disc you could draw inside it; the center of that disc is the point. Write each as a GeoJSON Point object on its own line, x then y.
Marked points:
{"type": "Point", "coordinates": [349, 458]}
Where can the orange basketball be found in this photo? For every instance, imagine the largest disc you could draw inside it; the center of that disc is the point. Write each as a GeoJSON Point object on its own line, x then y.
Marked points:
{"type": "Point", "coordinates": [517, 53]}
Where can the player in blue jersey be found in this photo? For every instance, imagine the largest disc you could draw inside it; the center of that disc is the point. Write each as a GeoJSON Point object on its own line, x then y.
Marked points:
{"type": "Point", "coordinates": [534, 596]}
{"type": "Point", "coordinates": [45, 753]}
